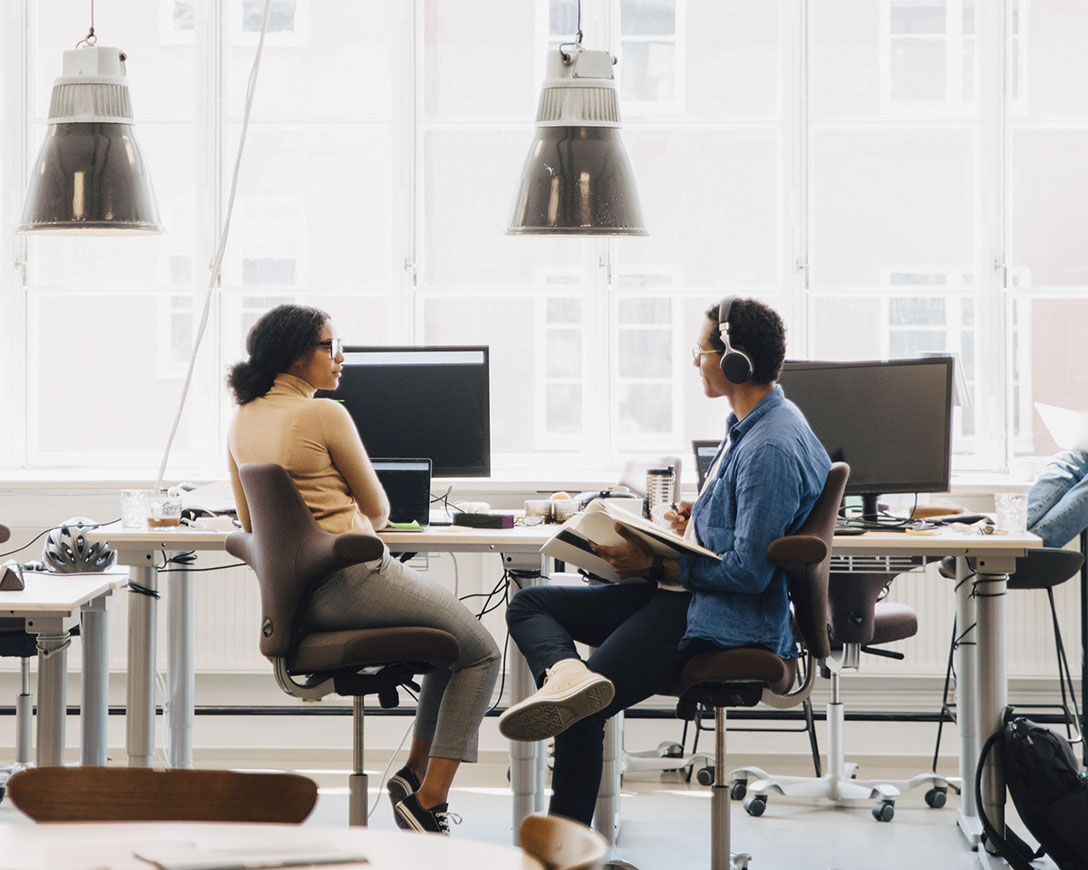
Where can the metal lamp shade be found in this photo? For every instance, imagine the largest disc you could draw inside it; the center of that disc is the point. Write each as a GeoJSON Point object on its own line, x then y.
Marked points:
{"type": "Point", "coordinates": [577, 181]}
{"type": "Point", "coordinates": [90, 175]}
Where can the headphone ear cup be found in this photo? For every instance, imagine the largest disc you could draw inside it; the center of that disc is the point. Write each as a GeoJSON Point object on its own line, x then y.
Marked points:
{"type": "Point", "coordinates": [736, 366]}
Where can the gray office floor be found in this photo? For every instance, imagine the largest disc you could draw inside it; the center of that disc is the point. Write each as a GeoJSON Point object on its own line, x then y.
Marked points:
{"type": "Point", "coordinates": [666, 822]}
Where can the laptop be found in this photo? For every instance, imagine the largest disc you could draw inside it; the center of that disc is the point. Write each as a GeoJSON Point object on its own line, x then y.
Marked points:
{"type": "Point", "coordinates": [407, 482]}
{"type": "Point", "coordinates": [705, 451]}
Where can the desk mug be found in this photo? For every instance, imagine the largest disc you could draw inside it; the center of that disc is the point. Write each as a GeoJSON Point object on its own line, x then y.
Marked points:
{"type": "Point", "coordinates": [164, 510]}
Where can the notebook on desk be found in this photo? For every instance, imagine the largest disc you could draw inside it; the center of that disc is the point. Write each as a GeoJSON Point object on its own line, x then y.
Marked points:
{"type": "Point", "coordinates": [407, 482]}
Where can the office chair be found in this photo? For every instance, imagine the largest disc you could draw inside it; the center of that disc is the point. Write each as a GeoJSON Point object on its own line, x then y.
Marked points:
{"type": "Point", "coordinates": [747, 676]}
{"type": "Point", "coordinates": [291, 555]}
{"type": "Point", "coordinates": [1043, 568]}
{"type": "Point", "coordinates": [562, 844]}
{"type": "Point", "coordinates": [139, 794]}
{"type": "Point", "coordinates": [858, 622]}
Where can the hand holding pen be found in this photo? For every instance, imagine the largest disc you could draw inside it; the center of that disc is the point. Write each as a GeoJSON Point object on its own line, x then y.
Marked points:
{"type": "Point", "coordinates": [678, 516]}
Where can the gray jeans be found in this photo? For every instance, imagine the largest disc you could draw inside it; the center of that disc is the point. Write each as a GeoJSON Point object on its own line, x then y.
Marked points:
{"type": "Point", "coordinates": [386, 593]}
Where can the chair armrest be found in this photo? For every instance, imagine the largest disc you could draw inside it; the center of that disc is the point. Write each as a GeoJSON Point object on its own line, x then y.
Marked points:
{"type": "Point", "coordinates": [797, 550]}
{"type": "Point", "coordinates": [5, 533]}
{"type": "Point", "coordinates": [355, 547]}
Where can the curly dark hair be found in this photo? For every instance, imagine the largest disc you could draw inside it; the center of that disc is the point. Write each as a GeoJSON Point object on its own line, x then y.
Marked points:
{"type": "Point", "coordinates": [759, 332]}
{"type": "Point", "coordinates": [279, 339]}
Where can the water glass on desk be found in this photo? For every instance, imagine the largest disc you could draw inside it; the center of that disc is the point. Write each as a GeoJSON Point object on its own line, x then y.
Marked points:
{"type": "Point", "coordinates": [134, 508]}
{"type": "Point", "coordinates": [1012, 512]}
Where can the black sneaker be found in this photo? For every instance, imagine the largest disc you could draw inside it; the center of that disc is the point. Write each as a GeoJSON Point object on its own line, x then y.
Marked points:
{"type": "Point", "coordinates": [435, 820]}
{"type": "Point", "coordinates": [400, 785]}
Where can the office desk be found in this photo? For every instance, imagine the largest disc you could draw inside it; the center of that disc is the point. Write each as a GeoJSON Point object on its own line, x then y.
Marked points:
{"type": "Point", "coordinates": [50, 605]}
{"type": "Point", "coordinates": [981, 690]}
{"type": "Point", "coordinates": [90, 846]}
{"type": "Point", "coordinates": [139, 549]}
{"type": "Point", "coordinates": [981, 693]}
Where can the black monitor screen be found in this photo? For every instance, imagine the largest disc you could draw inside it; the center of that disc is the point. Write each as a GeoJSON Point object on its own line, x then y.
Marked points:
{"type": "Point", "coordinates": [891, 420]}
{"type": "Point", "coordinates": [431, 402]}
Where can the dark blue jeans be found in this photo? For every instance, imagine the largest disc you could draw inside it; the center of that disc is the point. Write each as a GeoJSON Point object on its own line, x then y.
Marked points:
{"type": "Point", "coordinates": [636, 629]}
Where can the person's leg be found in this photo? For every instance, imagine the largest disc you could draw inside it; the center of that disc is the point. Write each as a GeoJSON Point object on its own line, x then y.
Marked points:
{"type": "Point", "coordinates": [545, 621]}
{"type": "Point", "coordinates": [640, 657]}
{"type": "Point", "coordinates": [452, 702]}
{"type": "Point", "coordinates": [1058, 500]}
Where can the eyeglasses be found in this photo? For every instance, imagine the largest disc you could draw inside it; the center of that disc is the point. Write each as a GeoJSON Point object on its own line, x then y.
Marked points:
{"type": "Point", "coordinates": [697, 353]}
{"type": "Point", "coordinates": [335, 346]}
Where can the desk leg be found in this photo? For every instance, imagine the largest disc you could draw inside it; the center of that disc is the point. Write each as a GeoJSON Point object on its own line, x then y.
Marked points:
{"type": "Point", "coordinates": [990, 587]}
{"type": "Point", "coordinates": [967, 710]}
{"type": "Point", "coordinates": [140, 703]}
{"type": "Point", "coordinates": [527, 761]}
{"type": "Point", "coordinates": [52, 694]}
{"type": "Point", "coordinates": [180, 678]}
{"type": "Point", "coordinates": [94, 710]}
{"type": "Point", "coordinates": [606, 813]}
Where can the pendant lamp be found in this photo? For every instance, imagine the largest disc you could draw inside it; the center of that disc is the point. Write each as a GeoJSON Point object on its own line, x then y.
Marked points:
{"type": "Point", "coordinates": [577, 179]}
{"type": "Point", "coordinates": [90, 175]}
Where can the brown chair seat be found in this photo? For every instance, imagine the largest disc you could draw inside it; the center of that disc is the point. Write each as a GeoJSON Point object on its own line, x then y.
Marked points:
{"type": "Point", "coordinates": [745, 665]}
{"type": "Point", "coordinates": [326, 651]}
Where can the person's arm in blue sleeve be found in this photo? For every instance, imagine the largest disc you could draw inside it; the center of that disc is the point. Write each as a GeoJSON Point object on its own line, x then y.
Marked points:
{"type": "Point", "coordinates": [767, 497]}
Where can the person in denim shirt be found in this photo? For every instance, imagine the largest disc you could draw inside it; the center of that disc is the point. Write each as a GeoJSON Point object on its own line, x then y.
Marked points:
{"type": "Point", "coordinates": [768, 473]}
{"type": "Point", "coordinates": [1058, 500]}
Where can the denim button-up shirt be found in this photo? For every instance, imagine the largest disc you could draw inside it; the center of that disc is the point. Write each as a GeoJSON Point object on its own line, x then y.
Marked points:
{"type": "Point", "coordinates": [767, 482]}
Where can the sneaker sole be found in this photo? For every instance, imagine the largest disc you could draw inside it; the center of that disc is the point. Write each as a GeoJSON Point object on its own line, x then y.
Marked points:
{"type": "Point", "coordinates": [539, 720]}
{"type": "Point", "coordinates": [398, 789]}
{"type": "Point", "coordinates": [406, 821]}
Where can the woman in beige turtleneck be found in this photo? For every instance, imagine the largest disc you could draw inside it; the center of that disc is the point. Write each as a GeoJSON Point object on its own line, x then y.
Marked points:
{"type": "Point", "coordinates": [293, 352]}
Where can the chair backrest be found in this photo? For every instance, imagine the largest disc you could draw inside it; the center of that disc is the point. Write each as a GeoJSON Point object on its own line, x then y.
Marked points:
{"type": "Point", "coordinates": [806, 570]}
{"type": "Point", "coordinates": [288, 551]}
{"type": "Point", "coordinates": [852, 600]}
{"type": "Point", "coordinates": [562, 844]}
{"type": "Point", "coordinates": [5, 533]}
{"type": "Point", "coordinates": [139, 794]}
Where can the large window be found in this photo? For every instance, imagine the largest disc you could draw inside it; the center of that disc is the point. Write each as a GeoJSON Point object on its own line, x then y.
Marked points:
{"type": "Point", "coordinates": [896, 177]}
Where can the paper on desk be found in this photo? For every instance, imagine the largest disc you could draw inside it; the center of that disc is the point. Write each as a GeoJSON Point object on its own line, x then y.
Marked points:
{"type": "Point", "coordinates": [192, 856]}
{"type": "Point", "coordinates": [1069, 429]}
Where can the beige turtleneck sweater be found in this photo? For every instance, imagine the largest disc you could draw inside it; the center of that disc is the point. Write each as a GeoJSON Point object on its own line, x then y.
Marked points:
{"type": "Point", "coordinates": [318, 444]}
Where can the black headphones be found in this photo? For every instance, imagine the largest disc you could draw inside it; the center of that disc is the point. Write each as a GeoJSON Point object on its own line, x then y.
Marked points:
{"type": "Point", "coordinates": [736, 364]}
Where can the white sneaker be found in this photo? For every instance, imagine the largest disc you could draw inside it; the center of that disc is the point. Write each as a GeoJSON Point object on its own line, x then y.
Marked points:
{"type": "Point", "coordinates": [571, 691]}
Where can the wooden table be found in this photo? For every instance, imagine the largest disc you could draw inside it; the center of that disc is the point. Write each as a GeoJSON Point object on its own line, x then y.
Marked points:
{"type": "Point", "coordinates": [92, 846]}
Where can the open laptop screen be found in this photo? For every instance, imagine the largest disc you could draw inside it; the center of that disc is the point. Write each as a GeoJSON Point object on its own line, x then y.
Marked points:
{"type": "Point", "coordinates": [407, 482]}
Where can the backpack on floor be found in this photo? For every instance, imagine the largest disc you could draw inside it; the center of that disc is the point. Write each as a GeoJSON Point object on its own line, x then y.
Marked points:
{"type": "Point", "coordinates": [1049, 789]}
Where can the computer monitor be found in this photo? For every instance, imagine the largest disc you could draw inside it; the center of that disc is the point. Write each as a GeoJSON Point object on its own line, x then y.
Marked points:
{"type": "Point", "coordinates": [429, 402]}
{"type": "Point", "coordinates": [891, 420]}
{"type": "Point", "coordinates": [704, 451]}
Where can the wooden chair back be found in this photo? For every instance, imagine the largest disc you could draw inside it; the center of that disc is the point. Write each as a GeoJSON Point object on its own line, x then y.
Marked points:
{"type": "Point", "coordinates": [139, 794]}
{"type": "Point", "coordinates": [562, 844]}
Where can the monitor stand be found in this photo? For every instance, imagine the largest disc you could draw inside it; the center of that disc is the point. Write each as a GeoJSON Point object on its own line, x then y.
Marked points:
{"type": "Point", "coordinates": [869, 507]}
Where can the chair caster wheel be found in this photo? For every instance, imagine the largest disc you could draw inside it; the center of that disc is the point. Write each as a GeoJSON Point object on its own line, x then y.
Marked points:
{"type": "Point", "coordinates": [739, 789]}
{"type": "Point", "coordinates": [755, 804]}
{"type": "Point", "coordinates": [705, 776]}
{"type": "Point", "coordinates": [937, 797]}
{"type": "Point", "coordinates": [670, 749]}
{"type": "Point", "coordinates": [883, 811]}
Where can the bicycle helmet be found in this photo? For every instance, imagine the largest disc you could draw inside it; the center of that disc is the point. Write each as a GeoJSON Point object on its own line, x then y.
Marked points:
{"type": "Point", "coordinates": [67, 551]}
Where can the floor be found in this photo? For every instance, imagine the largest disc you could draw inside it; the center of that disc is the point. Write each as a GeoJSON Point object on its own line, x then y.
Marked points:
{"type": "Point", "coordinates": [666, 822]}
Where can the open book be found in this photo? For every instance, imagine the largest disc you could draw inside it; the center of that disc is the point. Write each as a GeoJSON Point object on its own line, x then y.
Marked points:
{"type": "Point", "coordinates": [597, 525]}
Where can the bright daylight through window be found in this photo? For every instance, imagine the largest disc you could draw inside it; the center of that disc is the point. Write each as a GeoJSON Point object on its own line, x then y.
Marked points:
{"type": "Point", "coordinates": [896, 177]}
